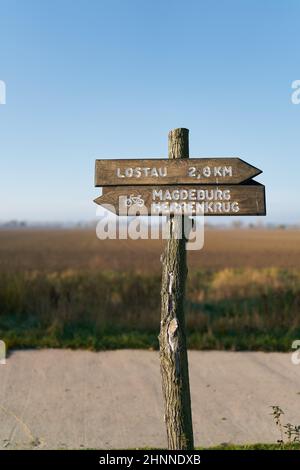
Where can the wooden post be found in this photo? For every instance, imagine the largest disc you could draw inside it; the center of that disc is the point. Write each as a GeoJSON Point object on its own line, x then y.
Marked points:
{"type": "Point", "coordinates": [172, 338]}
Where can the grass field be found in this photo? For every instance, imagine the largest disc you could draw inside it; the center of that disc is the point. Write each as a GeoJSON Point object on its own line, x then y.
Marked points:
{"type": "Point", "coordinates": [58, 250]}
{"type": "Point", "coordinates": [67, 288]}
{"type": "Point", "coordinates": [288, 446]}
{"type": "Point", "coordinates": [291, 446]}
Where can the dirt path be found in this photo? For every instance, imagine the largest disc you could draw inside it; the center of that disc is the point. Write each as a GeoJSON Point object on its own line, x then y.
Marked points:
{"type": "Point", "coordinates": [78, 399]}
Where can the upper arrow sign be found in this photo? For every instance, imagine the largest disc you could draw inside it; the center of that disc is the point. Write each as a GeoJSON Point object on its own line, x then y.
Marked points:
{"type": "Point", "coordinates": [161, 171]}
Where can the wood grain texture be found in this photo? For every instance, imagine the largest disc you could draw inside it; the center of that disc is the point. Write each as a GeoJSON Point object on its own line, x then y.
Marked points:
{"type": "Point", "coordinates": [215, 170]}
{"type": "Point", "coordinates": [172, 337]}
{"type": "Point", "coordinates": [217, 200]}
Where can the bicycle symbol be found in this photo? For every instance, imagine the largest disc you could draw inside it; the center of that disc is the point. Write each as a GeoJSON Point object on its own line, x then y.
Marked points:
{"type": "Point", "coordinates": [134, 200]}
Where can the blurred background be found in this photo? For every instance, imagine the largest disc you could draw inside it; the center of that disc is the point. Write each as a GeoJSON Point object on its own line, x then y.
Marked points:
{"type": "Point", "coordinates": [109, 79]}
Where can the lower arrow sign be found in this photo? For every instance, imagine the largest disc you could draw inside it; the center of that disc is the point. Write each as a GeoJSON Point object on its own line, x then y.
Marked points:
{"type": "Point", "coordinates": [226, 200]}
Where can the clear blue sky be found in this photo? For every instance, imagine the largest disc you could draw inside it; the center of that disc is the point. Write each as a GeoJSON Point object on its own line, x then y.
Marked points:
{"type": "Point", "coordinates": [110, 78]}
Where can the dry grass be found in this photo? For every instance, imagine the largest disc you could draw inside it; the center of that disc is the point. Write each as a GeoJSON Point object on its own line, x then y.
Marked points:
{"type": "Point", "coordinates": [66, 288]}
{"type": "Point", "coordinates": [56, 250]}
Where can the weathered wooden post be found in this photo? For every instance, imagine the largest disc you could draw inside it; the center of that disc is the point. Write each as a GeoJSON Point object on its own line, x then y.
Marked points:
{"type": "Point", "coordinates": [172, 338]}
{"type": "Point", "coordinates": [211, 186]}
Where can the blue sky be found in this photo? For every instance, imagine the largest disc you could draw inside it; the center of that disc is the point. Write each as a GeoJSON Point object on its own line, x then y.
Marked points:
{"type": "Point", "coordinates": [110, 78]}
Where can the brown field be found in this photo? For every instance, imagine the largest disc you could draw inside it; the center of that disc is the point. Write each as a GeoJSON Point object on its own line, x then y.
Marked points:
{"type": "Point", "coordinates": [56, 250]}
{"type": "Point", "coordinates": [66, 288]}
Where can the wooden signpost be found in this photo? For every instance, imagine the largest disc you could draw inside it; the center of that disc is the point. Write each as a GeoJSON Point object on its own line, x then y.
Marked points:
{"type": "Point", "coordinates": [246, 199]}
{"type": "Point", "coordinates": [178, 187]}
{"type": "Point", "coordinates": [161, 171]}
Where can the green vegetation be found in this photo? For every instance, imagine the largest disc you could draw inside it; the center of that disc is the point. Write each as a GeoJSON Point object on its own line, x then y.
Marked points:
{"type": "Point", "coordinates": [228, 446]}
{"type": "Point", "coordinates": [288, 446]}
{"type": "Point", "coordinates": [232, 309]}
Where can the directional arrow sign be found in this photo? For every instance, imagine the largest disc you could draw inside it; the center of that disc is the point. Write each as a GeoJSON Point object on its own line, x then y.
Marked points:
{"type": "Point", "coordinates": [221, 170]}
{"type": "Point", "coordinates": [245, 199]}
